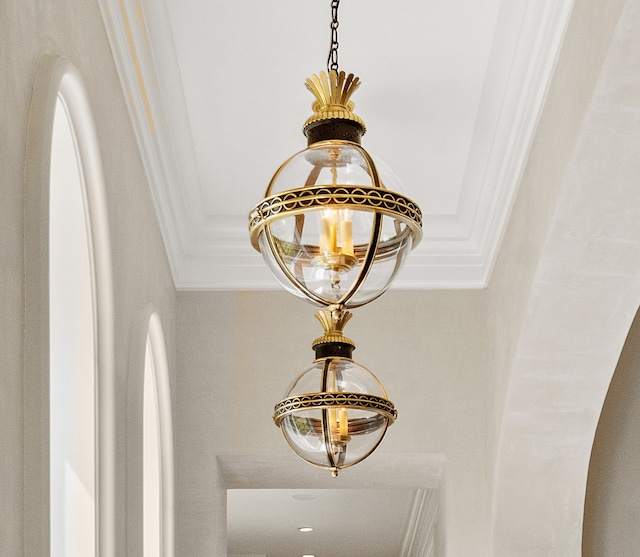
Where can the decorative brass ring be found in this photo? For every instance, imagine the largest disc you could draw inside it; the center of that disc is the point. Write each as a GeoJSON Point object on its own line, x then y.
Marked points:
{"type": "Point", "coordinates": [356, 401]}
{"type": "Point", "coordinates": [361, 198]}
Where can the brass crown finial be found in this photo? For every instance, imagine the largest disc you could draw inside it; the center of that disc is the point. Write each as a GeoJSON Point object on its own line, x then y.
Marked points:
{"type": "Point", "coordinates": [333, 321]}
{"type": "Point", "coordinates": [332, 95]}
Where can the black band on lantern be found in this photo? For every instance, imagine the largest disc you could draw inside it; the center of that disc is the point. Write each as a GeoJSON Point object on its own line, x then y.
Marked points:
{"type": "Point", "coordinates": [338, 128]}
{"type": "Point", "coordinates": [333, 350]}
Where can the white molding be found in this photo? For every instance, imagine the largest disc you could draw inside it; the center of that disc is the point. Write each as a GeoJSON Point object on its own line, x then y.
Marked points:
{"type": "Point", "coordinates": [419, 539]}
{"type": "Point", "coordinates": [544, 24]}
{"type": "Point", "coordinates": [171, 172]}
{"type": "Point", "coordinates": [459, 250]}
{"type": "Point", "coordinates": [165, 425]}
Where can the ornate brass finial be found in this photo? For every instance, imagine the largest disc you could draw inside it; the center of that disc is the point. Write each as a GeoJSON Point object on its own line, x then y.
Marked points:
{"type": "Point", "coordinates": [333, 320]}
{"type": "Point", "coordinates": [332, 95]}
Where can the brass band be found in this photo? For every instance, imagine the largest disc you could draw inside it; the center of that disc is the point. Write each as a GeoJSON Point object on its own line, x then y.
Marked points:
{"type": "Point", "coordinates": [360, 198]}
{"type": "Point", "coordinates": [356, 401]}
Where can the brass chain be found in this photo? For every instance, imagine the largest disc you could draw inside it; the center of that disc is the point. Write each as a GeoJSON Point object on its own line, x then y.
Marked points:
{"type": "Point", "coordinates": [332, 60]}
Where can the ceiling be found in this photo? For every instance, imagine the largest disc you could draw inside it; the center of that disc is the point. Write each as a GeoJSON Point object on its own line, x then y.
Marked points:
{"type": "Point", "coordinates": [354, 522]}
{"type": "Point", "coordinates": [390, 505]}
{"type": "Point", "coordinates": [451, 92]}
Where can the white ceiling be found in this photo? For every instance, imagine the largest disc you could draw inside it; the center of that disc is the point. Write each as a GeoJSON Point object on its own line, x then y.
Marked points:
{"type": "Point", "coordinates": [390, 505]}
{"type": "Point", "coordinates": [451, 91]}
{"type": "Point", "coordinates": [353, 522]}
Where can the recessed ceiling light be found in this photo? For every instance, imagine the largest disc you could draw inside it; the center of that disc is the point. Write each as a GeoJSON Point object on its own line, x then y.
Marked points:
{"type": "Point", "coordinates": [308, 555]}
{"type": "Point", "coordinates": [305, 529]}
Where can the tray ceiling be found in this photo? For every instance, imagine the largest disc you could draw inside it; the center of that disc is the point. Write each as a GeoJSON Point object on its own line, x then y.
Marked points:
{"type": "Point", "coordinates": [451, 93]}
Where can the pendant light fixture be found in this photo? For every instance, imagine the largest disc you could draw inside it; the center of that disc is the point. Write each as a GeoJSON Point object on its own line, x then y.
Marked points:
{"type": "Point", "coordinates": [335, 413]}
{"type": "Point", "coordinates": [333, 231]}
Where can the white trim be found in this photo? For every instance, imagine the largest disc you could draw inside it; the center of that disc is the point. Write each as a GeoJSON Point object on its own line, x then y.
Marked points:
{"type": "Point", "coordinates": [420, 537]}
{"type": "Point", "coordinates": [171, 171]}
{"type": "Point", "coordinates": [57, 76]}
{"type": "Point", "coordinates": [163, 386]}
{"type": "Point", "coordinates": [148, 327]}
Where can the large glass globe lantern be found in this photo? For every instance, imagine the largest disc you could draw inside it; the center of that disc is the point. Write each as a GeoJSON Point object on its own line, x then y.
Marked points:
{"type": "Point", "coordinates": [330, 227]}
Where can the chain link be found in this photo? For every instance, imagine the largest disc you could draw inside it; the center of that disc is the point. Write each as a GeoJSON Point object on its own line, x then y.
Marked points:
{"type": "Point", "coordinates": [332, 60]}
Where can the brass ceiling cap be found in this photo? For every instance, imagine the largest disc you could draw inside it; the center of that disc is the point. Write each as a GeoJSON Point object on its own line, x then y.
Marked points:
{"type": "Point", "coordinates": [332, 95]}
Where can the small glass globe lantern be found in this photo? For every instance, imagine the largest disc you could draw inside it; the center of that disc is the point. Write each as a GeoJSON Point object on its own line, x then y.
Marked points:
{"type": "Point", "coordinates": [330, 227]}
{"type": "Point", "coordinates": [335, 413]}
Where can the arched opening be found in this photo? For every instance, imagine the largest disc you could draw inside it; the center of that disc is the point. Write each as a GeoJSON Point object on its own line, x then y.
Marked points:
{"type": "Point", "coordinates": [72, 351]}
{"type": "Point", "coordinates": [150, 481]}
{"type": "Point", "coordinates": [69, 444]}
{"type": "Point", "coordinates": [612, 502]}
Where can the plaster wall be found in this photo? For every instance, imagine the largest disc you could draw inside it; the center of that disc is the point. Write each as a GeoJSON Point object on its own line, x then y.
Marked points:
{"type": "Point", "coordinates": [583, 297]}
{"type": "Point", "coordinates": [141, 276]}
{"type": "Point", "coordinates": [578, 68]}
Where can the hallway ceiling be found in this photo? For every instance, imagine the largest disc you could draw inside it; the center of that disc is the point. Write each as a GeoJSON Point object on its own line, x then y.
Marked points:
{"type": "Point", "coordinates": [451, 92]}
{"type": "Point", "coordinates": [353, 522]}
{"type": "Point", "coordinates": [385, 506]}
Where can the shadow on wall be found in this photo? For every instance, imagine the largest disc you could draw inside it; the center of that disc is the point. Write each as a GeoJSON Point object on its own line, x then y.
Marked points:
{"type": "Point", "coordinates": [612, 504]}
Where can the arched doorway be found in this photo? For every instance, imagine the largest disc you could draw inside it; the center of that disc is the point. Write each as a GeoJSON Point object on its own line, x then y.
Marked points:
{"type": "Point", "coordinates": [69, 379]}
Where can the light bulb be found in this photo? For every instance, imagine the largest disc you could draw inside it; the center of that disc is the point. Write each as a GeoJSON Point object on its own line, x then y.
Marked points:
{"type": "Point", "coordinates": [346, 232]}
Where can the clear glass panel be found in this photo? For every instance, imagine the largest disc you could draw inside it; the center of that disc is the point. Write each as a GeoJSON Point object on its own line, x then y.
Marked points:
{"type": "Point", "coordinates": [345, 376]}
{"type": "Point", "coordinates": [394, 247]}
{"type": "Point", "coordinates": [324, 250]}
{"type": "Point", "coordinates": [304, 432]}
{"type": "Point", "coordinates": [301, 245]}
{"type": "Point", "coordinates": [339, 164]}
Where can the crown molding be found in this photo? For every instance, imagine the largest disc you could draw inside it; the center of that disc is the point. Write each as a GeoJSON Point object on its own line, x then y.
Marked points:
{"type": "Point", "coordinates": [457, 251]}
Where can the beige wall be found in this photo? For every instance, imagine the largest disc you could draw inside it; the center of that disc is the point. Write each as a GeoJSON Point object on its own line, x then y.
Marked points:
{"type": "Point", "coordinates": [584, 293]}
{"type": "Point", "coordinates": [586, 42]}
{"type": "Point", "coordinates": [238, 352]}
{"type": "Point", "coordinates": [612, 507]}
{"type": "Point", "coordinates": [73, 28]}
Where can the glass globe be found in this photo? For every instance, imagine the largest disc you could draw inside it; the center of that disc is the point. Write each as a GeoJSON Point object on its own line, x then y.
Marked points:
{"type": "Point", "coordinates": [335, 413]}
{"type": "Point", "coordinates": [330, 230]}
